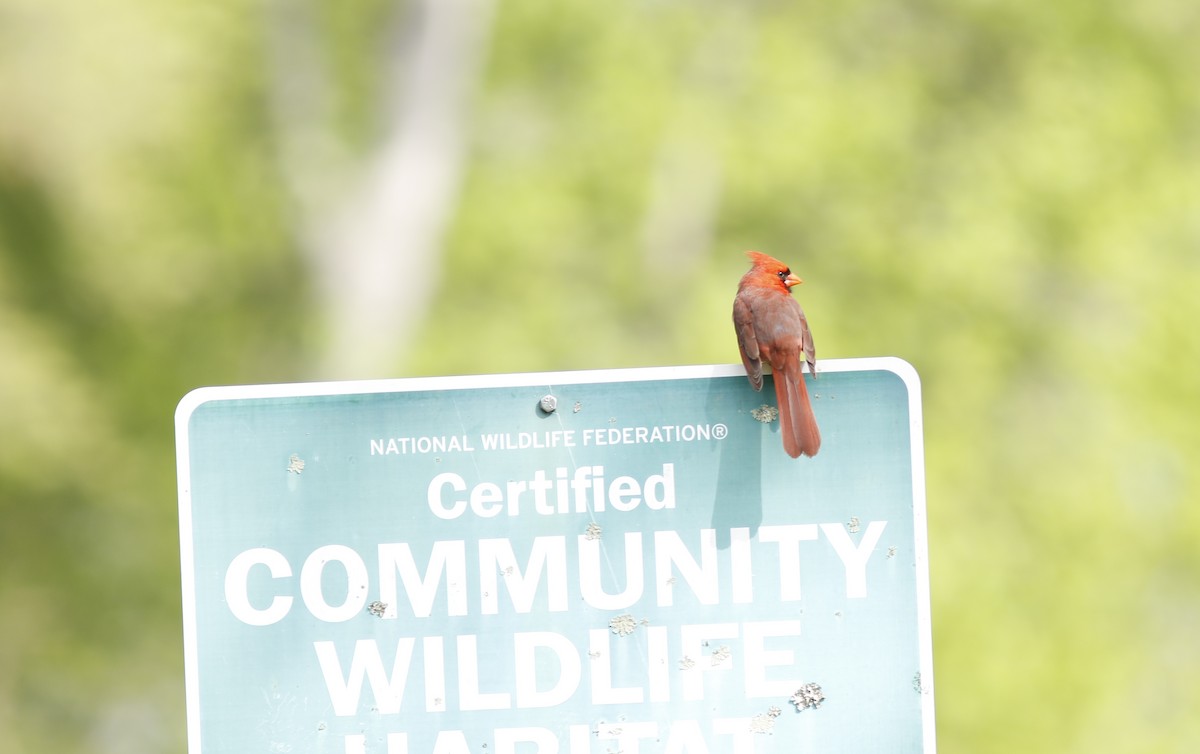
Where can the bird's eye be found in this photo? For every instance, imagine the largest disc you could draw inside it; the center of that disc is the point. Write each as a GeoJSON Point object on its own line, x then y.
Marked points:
{"type": "Point", "coordinates": [783, 274]}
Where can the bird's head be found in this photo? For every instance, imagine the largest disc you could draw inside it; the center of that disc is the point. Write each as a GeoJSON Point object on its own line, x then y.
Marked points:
{"type": "Point", "coordinates": [770, 267]}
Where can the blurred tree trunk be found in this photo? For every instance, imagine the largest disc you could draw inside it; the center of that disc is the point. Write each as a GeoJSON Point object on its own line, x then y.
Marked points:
{"type": "Point", "coordinates": [373, 224]}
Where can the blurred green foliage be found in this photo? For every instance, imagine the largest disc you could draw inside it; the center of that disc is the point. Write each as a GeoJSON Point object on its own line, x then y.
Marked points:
{"type": "Point", "coordinates": [1007, 194]}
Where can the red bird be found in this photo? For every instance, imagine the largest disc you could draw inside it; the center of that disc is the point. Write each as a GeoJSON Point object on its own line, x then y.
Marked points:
{"type": "Point", "coordinates": [771, 327]}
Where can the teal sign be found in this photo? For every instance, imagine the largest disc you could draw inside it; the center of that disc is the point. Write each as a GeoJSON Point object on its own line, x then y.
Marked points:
{"type": "Point", "coordinates": [566, 563]}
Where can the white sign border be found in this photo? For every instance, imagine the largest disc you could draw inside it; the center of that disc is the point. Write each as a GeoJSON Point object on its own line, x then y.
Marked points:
{"type": "Point", "coordinates": [196, 398]}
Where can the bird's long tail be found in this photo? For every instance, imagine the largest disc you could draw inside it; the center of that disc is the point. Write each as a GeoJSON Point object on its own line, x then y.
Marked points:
{"type": "Point", "coordinates": [796, 421]}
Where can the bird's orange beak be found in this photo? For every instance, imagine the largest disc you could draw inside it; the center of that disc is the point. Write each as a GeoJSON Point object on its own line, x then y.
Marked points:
{"type": "Point", "coordinates": [792, 280]}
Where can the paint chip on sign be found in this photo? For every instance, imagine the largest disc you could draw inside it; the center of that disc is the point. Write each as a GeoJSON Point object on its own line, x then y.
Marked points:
{"type": "Point", "coordinates": [623, 625]}
{"type": "Point", "coordinates": [808, 696]}
{"type": "Point", "coordinates": [765, 414]}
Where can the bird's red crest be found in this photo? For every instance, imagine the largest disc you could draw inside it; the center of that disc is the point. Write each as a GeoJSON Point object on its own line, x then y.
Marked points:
{"type": "Point", "coordinates": [769, 271]}
{"type": "Point", "coordinates": [764, 261]}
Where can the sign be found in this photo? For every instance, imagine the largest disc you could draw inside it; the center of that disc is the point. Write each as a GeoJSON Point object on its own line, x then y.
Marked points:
{"type": "Point", "coordinates": [566, 563]}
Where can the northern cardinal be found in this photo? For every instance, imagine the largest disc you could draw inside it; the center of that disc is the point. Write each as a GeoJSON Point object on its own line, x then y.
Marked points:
{"type": "Point", "coordinates": [771, 327]}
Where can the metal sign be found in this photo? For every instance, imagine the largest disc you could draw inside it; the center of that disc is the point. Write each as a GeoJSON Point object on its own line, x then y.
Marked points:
{"type": "Point", "coordinates": [560, 563]}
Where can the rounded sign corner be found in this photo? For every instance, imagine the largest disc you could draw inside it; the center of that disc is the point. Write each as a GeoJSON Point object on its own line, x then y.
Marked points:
{"type": "Point", "coordinates": [904, 370]}
{"type": "Point", "coordinates": [190, 402]}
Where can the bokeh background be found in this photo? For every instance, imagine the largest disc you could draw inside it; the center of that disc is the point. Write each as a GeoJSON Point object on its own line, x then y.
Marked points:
{"type": "Point", "coordinates": [1004, 193]}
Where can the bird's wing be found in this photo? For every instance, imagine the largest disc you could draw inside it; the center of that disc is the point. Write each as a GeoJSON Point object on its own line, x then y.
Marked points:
{"type": "Point", "coordinates": [743, 323]}
{"type": "Point", "coordinates": [810, 350]}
